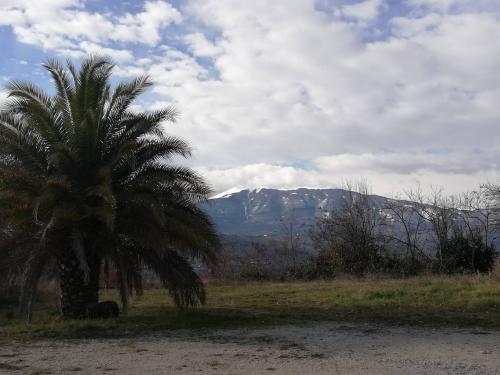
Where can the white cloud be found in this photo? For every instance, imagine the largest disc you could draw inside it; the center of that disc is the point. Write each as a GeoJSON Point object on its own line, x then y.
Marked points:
{"type": "Point", "coordinates": [364, 11]}
{"type": "Point", "coordinates": [120, 55]}
{"type": "Point", "coordinates": [392, 183]}
{"type": "Point", "coordinates": [260, 175]}
{"type": "Point", "coordinates": [145, 27]}
{"type": "Point", "coordinates": [201, 46]}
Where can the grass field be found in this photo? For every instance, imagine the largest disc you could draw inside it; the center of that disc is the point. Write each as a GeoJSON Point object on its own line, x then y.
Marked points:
{"type": "Point", "coordinates": [462, 301]}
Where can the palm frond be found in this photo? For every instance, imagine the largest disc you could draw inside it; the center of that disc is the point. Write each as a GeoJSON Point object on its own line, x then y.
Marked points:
{"type": "Point", "coordinates": [177, 276]}
{"type": "Point", "coordinates": [65, 93]}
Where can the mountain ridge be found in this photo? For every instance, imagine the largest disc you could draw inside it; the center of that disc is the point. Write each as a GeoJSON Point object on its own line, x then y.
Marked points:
{"type": "Point", "coordinates": [265, 211]}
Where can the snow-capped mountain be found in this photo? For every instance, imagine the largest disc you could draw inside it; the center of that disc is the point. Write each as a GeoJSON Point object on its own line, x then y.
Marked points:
{"type": "Point", "coordinates": [269, 211]}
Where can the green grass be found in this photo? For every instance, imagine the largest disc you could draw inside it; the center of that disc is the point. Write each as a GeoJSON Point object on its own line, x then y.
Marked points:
{"type": "Point", "coordinates": [454, 301]}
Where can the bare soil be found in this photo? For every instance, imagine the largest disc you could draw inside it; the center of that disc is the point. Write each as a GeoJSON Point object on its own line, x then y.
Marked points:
{"type": "Point", "coordinates": [326, 348]}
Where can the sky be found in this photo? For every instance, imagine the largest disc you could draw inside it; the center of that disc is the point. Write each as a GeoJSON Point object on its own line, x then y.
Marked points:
{"type": "Point", "coordinates": [294, 93]}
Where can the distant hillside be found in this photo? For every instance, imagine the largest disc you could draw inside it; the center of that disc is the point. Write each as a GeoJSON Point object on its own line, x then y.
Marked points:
{"type": "Point", "coordinates": [267, 211]}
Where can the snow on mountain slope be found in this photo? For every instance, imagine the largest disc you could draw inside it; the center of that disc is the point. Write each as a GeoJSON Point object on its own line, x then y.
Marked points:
{"type": "Point", "coordinates": [268, 211]}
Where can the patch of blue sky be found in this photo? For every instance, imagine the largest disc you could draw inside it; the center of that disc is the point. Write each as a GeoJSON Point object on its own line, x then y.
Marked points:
{"type": "Point", "coordinates": [20, 61]}
{"type": "Point", "coordinates": [370, 31]}
{"type": "Point", "coordinates": [381, 28]}
{"type": "Point", "coordinates": [115, 7]}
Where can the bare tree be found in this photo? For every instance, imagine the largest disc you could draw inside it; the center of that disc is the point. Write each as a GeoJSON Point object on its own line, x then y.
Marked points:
{"type": "Point", "coordinates": [441, 212]}
{"type": "Point", "coordinates": [478, 214]}
{"type": "Point", "coordinates": [408, 227]}
{"type": "Point", "coordinates": [350, 234]}
{"type": "Point", "coordinates": [492, 195]}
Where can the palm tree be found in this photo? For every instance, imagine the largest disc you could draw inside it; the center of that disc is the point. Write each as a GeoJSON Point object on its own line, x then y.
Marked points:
{"type": "Point", "coordinates": [84, 180]}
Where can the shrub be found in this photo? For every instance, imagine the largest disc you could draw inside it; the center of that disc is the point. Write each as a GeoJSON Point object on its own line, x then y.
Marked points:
{"type": "Point", "coordinates": [468, 255]}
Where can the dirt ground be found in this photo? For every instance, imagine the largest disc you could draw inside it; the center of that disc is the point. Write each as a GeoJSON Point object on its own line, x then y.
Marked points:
{"type": "Point", "coordinates": [327, 348]}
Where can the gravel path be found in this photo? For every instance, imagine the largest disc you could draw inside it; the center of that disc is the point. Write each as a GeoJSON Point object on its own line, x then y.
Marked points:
{"type": "Point", "coordinates": [327, 348]}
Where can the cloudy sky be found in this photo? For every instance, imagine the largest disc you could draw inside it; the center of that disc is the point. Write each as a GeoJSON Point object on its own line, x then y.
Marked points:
{"type": "Point", "coordinates": [290, 93]}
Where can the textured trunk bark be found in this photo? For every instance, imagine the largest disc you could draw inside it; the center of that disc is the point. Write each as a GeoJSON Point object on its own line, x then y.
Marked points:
{"type": "Point", "coordinates": [76, 295]}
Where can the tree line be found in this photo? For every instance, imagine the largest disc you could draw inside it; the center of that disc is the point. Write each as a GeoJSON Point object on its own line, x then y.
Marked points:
{"type": "Point", "coordinates": [402, 236]}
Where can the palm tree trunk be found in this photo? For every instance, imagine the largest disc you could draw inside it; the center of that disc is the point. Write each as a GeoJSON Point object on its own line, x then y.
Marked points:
{"type": "Point", "coordinates": [76, 293]}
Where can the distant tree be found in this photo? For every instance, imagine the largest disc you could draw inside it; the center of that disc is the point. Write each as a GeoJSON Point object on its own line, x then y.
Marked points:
{"type": "Point", "coordinates": [406, 230]}
{"type": "Point", "coordinates": [468, 254]}
{"type": "Point", "coordinates": [460, 226]}
{"type": "Point", "coordinates": [478, 213]}
{"type": "Point", "coordinates": [441, 212]}
{"type": "Point", "coordinates": [348, 239]}
{"type": "Point", "coordinates": [288, 247]}
{"type": "Point", "coordinates": [255, 263]}
{"type": "Point", "coordinates": [84, 178]}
